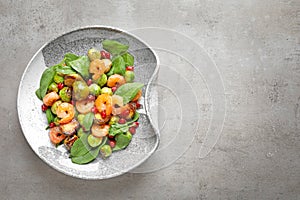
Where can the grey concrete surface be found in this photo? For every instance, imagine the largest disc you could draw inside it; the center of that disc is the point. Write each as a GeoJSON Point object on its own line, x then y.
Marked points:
{"type": "Point", "coordinates": [255, 45]}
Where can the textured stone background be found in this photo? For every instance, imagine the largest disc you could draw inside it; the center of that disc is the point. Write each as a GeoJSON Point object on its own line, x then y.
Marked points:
{"type": "Point", "coordinates": [255, 44]}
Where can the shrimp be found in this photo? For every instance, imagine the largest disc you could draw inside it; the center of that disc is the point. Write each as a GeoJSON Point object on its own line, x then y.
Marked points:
{"type": "Point", "coordinates": [137, 96]}
{"type": "Point", "coordinates": [56, 135]}
{"type": "Point", "coordinates": [69, 128]}
{"type": "Point", "coordinates": [104, 103]}
{"type": "Point", "coordinates": [50, 98]}
{"type": "Point", "coordinates": [84, 106]}
{"type": "Point", "coordinates": [117, 105]}
{"type": "Point", "coordinates": [115, 80]}
{"type": "Point", "coordinates": [66, 112]}
{"type": "Point", "coordinates": [97, 67]}
{"type": "Point", "coordinates": [100, 130]}
{"type": "Point", "coordinates": [107, 64]}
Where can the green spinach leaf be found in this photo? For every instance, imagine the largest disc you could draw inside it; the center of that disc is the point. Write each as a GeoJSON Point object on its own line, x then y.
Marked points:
{"type": "Point", "coordinates": [114, 47]}
{"type": "Point", "coordinates": [87, 154]}
{"type": "Point", "coordinates": [38, 94]}
{"type": "Point", "coordinates": [115, 130]}
{"type": "Point", "coordinates": [118, 66]}
{"type": "Point", "coordinates": [49, 116]}
{"type": "Point", "coordinates": [128, 59]}
{"type": "Point", "coordinates": [88, 121]}
{"type": "Point", "coordinates": [122, 141]}
{"type": "Point", "coordinates": [65, 70]}
{"type": "Point", "coordinates": [46, 80]}
{"type": "Point", "coordinates": [81, 65]}
{"type": "Point", "coordinates": [80, 146]}
{"type": "Point", "coordinates": [70, 57]}
{"type": "Point", "coordinates": [128, 91]}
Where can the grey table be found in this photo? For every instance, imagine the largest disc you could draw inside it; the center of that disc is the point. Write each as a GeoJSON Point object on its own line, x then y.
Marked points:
{"type": "Point", "coordinates": [255, 45]}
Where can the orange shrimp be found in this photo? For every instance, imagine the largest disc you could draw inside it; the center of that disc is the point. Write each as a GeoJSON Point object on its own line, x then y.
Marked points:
{"type": "Point", "coordinates": [104, 103]}
{"type": "Point", "coordinates": [115, 80]}
{"type": "Point", "coordinates": [50, 98]}
{"type": "Point", "coordinates": [97, 67]}
{"type": "Point", "coordinates": [100, 130]}
{"type": "Point", "coordinates": [66, 112]}
{"type": "Point", "coordinates": [56, 135]}
{"type": "Point", "coordinates": [84, 106]}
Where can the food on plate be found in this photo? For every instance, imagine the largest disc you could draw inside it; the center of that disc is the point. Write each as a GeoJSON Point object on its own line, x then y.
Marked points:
{"type": "Point", "coordinates": [91, 101]}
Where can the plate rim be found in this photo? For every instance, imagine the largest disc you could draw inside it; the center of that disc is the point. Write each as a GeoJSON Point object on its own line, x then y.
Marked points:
{"type": "Point", "coordinates": [154, 75]}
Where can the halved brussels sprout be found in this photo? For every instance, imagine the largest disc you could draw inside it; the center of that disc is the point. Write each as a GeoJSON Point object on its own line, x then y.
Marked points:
{"type": "Point", "coordinates": [105, 151]}
{"type": "Point", "coordinates": [93, 54]}
{"type": "Point", "coordinates": [106, 90]}
{"type": "Point", "coordinates": [53, 87]}
{"type": "Point", "coordinates": [58, 79]}
{"type": "Point", "coordinates": [81, 90]}
{"type": "Point", "coordinates": [102, 80]}
{"type": "Point", "coordinates": [129, 76]}
{"type": "Point", "coordinates": [65, 94]}
{"type": "Point", "coordinates": [54, 106]}
{"type": "Point", "coordinates": [94, 141]}
{"type": "Point", "coordinates": [95, 89]}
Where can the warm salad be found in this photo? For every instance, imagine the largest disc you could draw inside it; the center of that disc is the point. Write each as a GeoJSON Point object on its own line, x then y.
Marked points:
{"type": "Point", "coordinates": [90, 101]}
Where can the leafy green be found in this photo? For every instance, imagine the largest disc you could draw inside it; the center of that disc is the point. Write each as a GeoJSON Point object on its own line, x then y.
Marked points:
{"type": "Point", "coordinates": [128, 59]}
{"type": "Point", "coordinates": [49, 116]}
{"type": "Point", "coordinates": [117, 128]}
{"type": "Point", "coordinates": [88, 121]}
{"type": "Point", "coordinates": [64, 70]}
{"type": "Point", "coordinates": [114, 47]}
{"type": "Point", "coordinates": [38, 94]}
{"type": "Point", "coordinates": [80, 146]}
{"type": "Point", "coordinates": [81, 65]}
{"type": "Point", "coordinates": [82, 153]}
{"type": "Point", "coordinates": [128, 91]}
{"type": "Point", "coordinates": [46, 80]}
{"type": "Point", "coordinates": [70, 57]}
{"type": "Point", "coordinates": [118, 66]}
{"type": "Point", "coordinates": [122, 141]}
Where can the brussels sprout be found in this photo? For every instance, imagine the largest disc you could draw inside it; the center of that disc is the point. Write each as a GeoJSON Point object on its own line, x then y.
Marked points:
{"type": "Point", "coordinates": [58, 79]}
{"type": "Point", "coordinates": [129, 76]}
{"type": "Point", "coordinates": [102, 80]}
{"type": "Point", "coordinates": [71, 78]}
{"type": "Point", "coordinates": [106, 90]}
{"type": "Point", "coordinates": [54, 106]}
{"type": "Point", "coordinates": [113, 120]}
{"type": "Point", "coordinates": [80, 118]}
{"type": "Point", "coordinates": [53, 87]}
{"type": "Point", "coordinates": [94, 141]}
{"type": "Point", "coordinates": [93, 54]}
{"type": "Point", "coordinates": [95, 89]}
{"type": "Point", "coordinates": [105, 151]}
{"type": "Point", "coordinates": [65, 94]}
{"type": "Point", "coordinates": [81, 90]}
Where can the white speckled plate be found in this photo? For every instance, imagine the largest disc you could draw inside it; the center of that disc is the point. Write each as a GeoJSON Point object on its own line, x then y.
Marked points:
{"type": "Point", "coordinates": [33, 121]}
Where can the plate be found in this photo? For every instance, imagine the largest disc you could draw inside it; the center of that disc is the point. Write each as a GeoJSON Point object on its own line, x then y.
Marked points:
{"type": "Point", "coordinates": [33, 120]}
